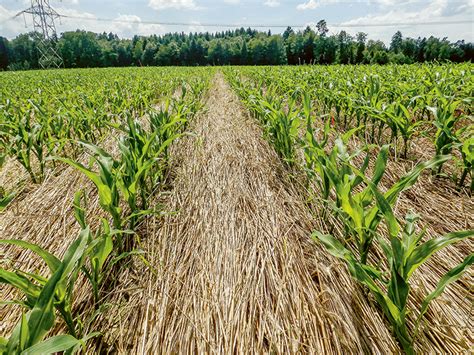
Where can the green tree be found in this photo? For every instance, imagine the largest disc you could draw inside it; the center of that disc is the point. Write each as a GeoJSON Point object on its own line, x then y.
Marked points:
{"type": "Point", "coordinates": [3, 53]}
{"type": "Point", "coordinates": [397, 42]}
{"type": "Point", "coordinates": [344, 52]}
{"type": "Point", "coordinates": [322, 28]}
{"type": "Point", "coordinates": [361, 37]}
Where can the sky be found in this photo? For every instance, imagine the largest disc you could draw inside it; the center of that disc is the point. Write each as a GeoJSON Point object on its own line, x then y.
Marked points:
{"type": "Point", "coordinates": [145, 17]}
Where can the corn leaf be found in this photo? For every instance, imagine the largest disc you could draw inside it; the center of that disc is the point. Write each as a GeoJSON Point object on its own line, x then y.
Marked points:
{"type": "Point", "coordinates": [424, 251]}
{"type": "Point", "coordinates": [52, 262]}
{"type": "Point", "coordinates": [410, 179]}
{"type": "Point", "coordinates": [105, 194]}
{"type": "Point", "coordinates": [20, 282]}
{"type": "Point", "coordinates": [42, 315]}
{"type": "Point", "coordinates": [52, 345]}
{"type": "Point", "coordinates": [451, 276]}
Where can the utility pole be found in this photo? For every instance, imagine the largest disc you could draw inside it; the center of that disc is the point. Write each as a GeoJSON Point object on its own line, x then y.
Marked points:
{"type": "Point", "coordinates": [43, 24]}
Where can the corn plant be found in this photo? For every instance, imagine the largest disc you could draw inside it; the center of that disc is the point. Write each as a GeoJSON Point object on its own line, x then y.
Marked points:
{"type": "Point", "coordinates": [132, 176]}
{"type": "Point", "coordinates": [465, 145]}
{"type": "Point", "coordinates": [104, 180]}
{"type": "Point", "coordinates": [467, 152]}
{"type": "Point", "coordinates": [25, 141]}
{"type": "Point", "coordinates": [99, 248]}
{"type": "Point", "coordinates": [445, 118]}
{"type": "Point", "coordinates": [103, 251]}
{"type": "Point", "coordinates": [354, 202]}
{"type": "Point", "coordinates": [45, 295]}
{"type": "Point", "coordinates": [314, 150]}
{"type": "Point", "coordinates": [169, 126]}
{"type": "Point", "coordinates": [282, 127]}
{"type": "Point", "coordinates": [404, 254]}
{"type": "Point", "coordinates": [114, 184]}
{"type": "Point", "coordinates": [281, 124]}
{"type": "Point", "coordinates": [89, 254]}
{"type": "Point", "coordinates": [402, 122]}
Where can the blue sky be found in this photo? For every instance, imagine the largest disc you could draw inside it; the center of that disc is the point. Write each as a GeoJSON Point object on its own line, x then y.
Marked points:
{"type": "Point", "coordinates": [134, 17]}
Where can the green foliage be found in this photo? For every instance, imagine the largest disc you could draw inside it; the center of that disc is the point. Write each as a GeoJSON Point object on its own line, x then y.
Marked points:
{"type": "Point", "coordinates": [36, 124]}
{"type": "Point", "coordinates": [445, 119]}
{"type": "Point", "coordinates": [393, 104]}
{"type": "Point", "coordinates": [466, 148]}
{"type": "Point", "coordinates": [141, 164]}
{"type": "Point", "coordinates": [354, 202]}
{"type": "Point", "coordinates": [24, 140]}
{"type": "Point", "coordinates": [403, 255]}
{"type": "Point", "coordinates": [84, 49]}
{"type": "Point", "coordinates": [45, 295]}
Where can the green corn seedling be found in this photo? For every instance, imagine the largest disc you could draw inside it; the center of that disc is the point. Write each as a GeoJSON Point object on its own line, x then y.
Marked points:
{"type": "Point", "coordinates": [44, 296]}
{"type": "Point", "coordinates": [104, 180]}
{"type": "Point", "coordinates": [445, 118]}
{"type": "Point", "coordinates": [100, 247]}
{"type": "Point", "coordinates": [404, 255]}
{"type": "Point", "coordinates": [359, 214]}
{"type": "Point", "coordinates": [402, 122]}
{"type": "Point", "coordinates": [465, 136]}
{"type": "Point", "coordinates": [467, 153]}
{"type": "Point", "coordinates": [314, 150]}
{"type": "Point", "coordinates": [26, 141]}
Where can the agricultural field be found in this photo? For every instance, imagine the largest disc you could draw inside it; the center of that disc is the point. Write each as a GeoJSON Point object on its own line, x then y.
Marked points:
{"type": "Point", "coordinates": [306, 209]}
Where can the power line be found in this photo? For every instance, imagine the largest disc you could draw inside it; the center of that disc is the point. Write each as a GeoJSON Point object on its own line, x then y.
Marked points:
{"type": "Point", "coordinates": [267, 26]}
{"type": "Point", "coordinates": [393, 24]}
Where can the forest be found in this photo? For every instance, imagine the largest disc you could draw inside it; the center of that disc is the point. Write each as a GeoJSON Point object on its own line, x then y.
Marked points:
{"type": "Point", "coordinates": [83, 49]}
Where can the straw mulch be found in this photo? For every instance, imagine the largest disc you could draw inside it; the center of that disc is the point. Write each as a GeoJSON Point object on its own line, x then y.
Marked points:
{"type": "Point", "coordinates": [12, 175]}
{"type": "Point", "coordinates": [233, 268]}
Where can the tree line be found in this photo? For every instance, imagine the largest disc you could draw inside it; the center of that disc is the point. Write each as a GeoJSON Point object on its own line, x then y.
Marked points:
{"type": "Point", "coordinates": [80, 49]}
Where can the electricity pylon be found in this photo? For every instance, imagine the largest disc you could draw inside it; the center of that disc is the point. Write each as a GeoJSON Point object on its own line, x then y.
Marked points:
{"type": "Point", "coordinates": [43, 24]}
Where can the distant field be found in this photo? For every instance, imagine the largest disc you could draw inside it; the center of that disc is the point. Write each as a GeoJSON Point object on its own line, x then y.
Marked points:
{"type": "Point", "coordinates": [237, 209]}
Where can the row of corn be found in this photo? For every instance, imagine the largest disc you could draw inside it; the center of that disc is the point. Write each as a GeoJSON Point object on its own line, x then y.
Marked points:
{"type": "Point", "coordinates": [126, 183]}
{"type": "Point", "coordinates": [301, 128]}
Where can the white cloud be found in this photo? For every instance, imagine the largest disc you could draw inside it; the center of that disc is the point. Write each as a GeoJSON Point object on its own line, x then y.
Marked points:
{"type": "Point", "coordinates": [309, 5]}
{"type": "Point", "coordinates": [314, 4]}
{"type": "Point", "coordinates": [432, 11]}
{"type": "Point", "coordinates": [435, 10]}
{"type": "Point", "coordinates": [9, 26]}
{"type": "Point", "coordinates": [233, 2]}
{"type": "Point", "coordinates": [123, 25]}
{"type": "Point", "coordinates": [272, 3]}
{"type": "Point", "coordinates": [173, 4]}
{"type": "Point", "coordinates": [127, 25]}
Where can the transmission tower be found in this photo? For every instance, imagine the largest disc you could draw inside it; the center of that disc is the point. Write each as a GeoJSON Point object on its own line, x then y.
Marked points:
{"type": "Point", "coordinates": [43, 24]}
